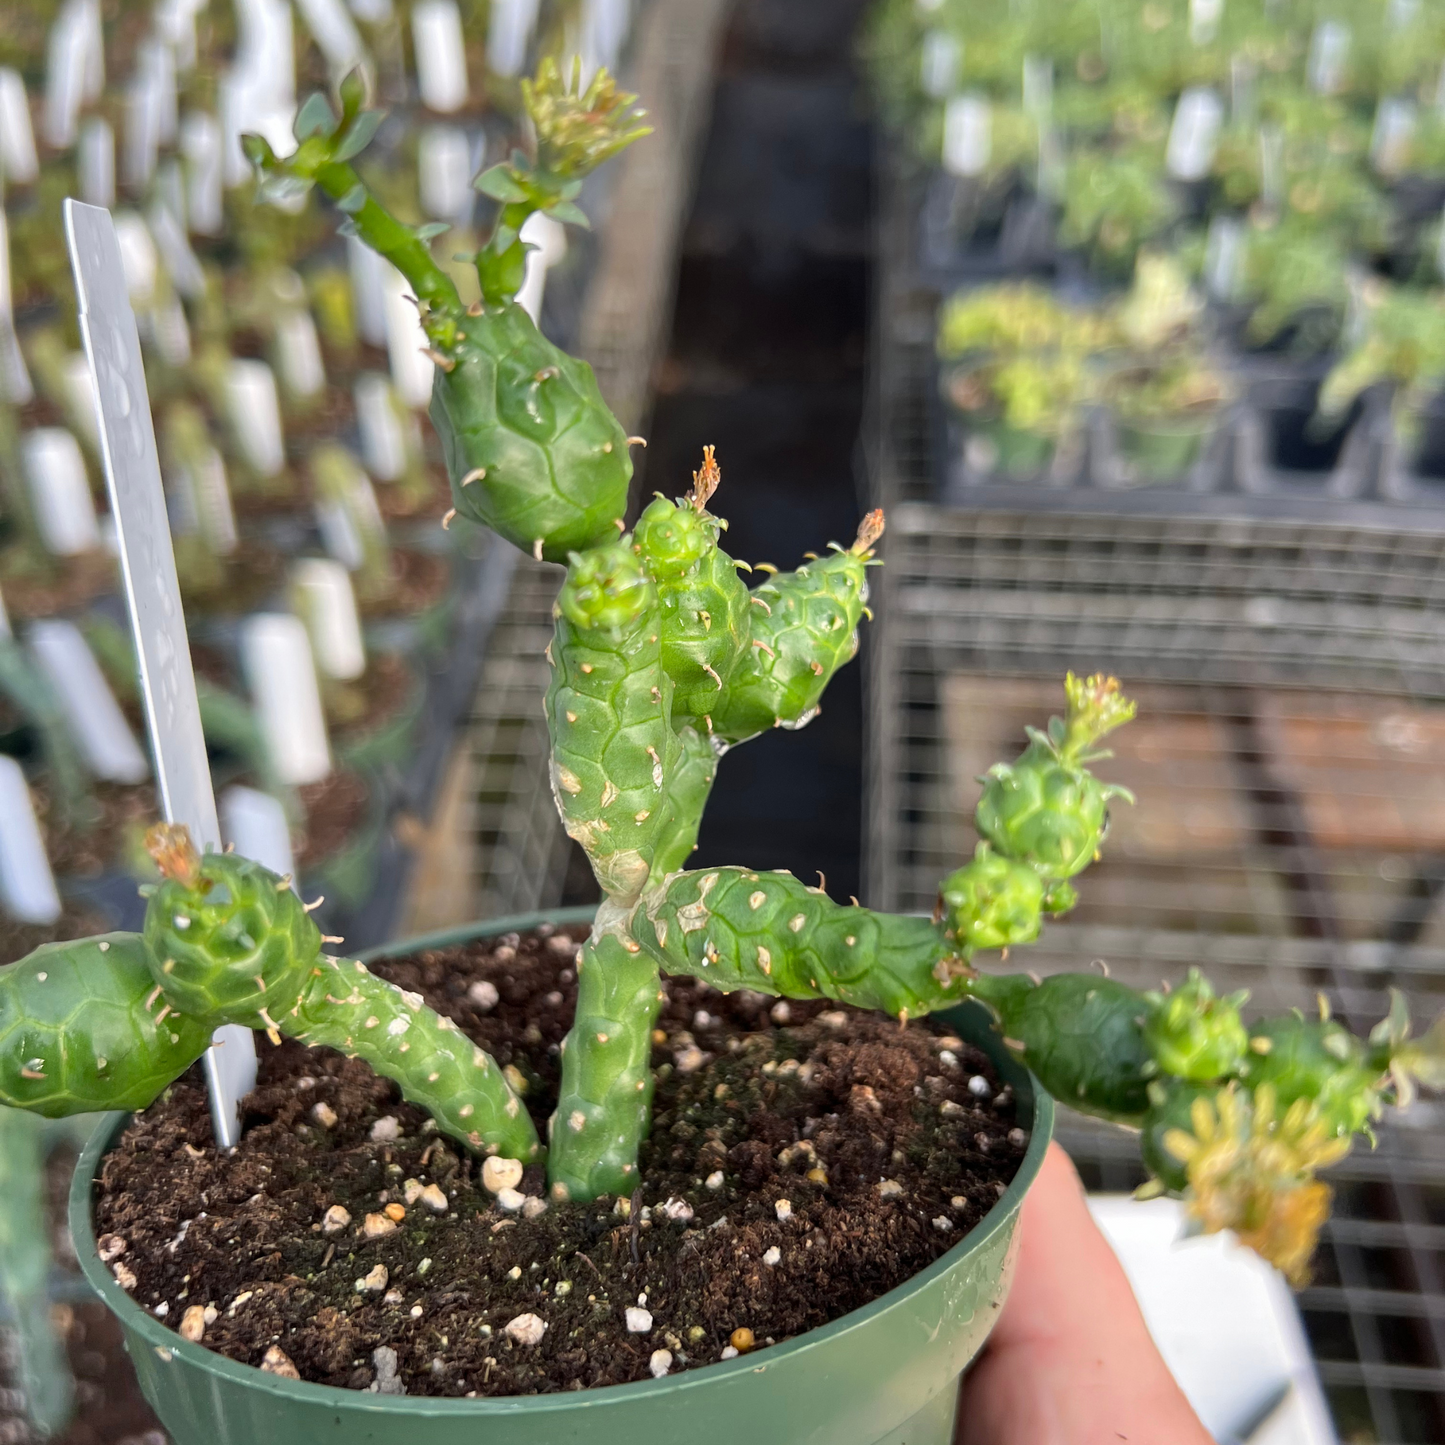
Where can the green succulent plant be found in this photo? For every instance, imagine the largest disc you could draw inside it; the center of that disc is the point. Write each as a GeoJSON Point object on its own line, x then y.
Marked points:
{"type": "Point", "coordinates": [661, 661]}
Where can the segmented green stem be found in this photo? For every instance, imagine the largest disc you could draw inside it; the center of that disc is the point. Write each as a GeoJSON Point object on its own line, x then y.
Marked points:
{"type": "Point", "coordinates": [613, 746]}
{"type": "Point", "coordinates": [346, 1007]}
{"type": "Point", "coordinates": [770, 932]}
{"type": "Point", "coordinates": [606, 1096]}
{"type": "Point", "coordinates": [84, 1028]}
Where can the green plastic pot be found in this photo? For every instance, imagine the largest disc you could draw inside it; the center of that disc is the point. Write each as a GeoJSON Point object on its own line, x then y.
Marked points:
{"type": "Point", "coordinates": [884, 1375]}
{"type": "Point", "coordinates": [1162, 449]}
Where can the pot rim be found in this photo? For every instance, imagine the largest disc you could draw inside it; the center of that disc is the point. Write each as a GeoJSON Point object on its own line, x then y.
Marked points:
{"type": "Point", "coordinates": [169, 1345]}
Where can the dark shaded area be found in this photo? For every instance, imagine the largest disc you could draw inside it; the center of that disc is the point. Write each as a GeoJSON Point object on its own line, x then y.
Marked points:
{"type": "Point", "coordinates": [766, 362]}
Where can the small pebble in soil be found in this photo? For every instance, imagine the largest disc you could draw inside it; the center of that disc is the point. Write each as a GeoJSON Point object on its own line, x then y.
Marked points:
{"type": "Point", "coordinates": [889, 1189]}
{"type": "Point", "coordinates": [335, 1219]}
{"type": "Point", "coordinates": [374, 1281]}
{"type": "Point", "coordinates": [532, 1206]}
{"type": "Point", "coordinates": [124, 1275]}
{"type": "Point", "coordinates": [162, 1310]}
{"type": "Point", "coordinates": [193, 1324]}
{"type": "Point", "coordinates": [483, 995]}
{"type": "Point", "coordinates": [741, 1340]}
{"type": "Point", "coordinates": [834, 1019]}
{"type": "Point", "coordinates": [510, 1199]}
{"type": "Point", "coordinates": [411, 1191]}
{"type": "Point", "coordinates": [387, 1381]}
{"type": "Point", "coordinates": [689, 1060]}
{"type": "Point", "coordinates": [395, 1212]}
{"type": "Point", "coordinates": [434, 1199]}
{"type": "Point", "coordinates": [377, 1226]}
{"type": "Point", "coordinates": [677, 1210]}
{"type": "Point", "coordinates": [772, 1256]}
{"type": "Point", "coordinates": [1017, 1137]}
{"type": "Point", "coordinates": [277, 1362]}
{"type": "Point", "coordinates": [386, 1130]}
{"type": "Point", "coordinates": [392, 1297]}
{"type": "Point", "coordinates": [729, 1352]}
{"type": "Point", "coordinates": [715, 1179]}
{"type": "Point", "coordinates": [660, 1363]}
{"type": "Point", "coordinates": [950, 1109]}
{"type": "Point", "coordinates": [978, 1087]}
{"type": "Point", "coordinates": [499, 1174]}
{"type": "Point", "coordinates": [943, 1224]}
{"type": "Point", "coordinates": [948, 1058]}
{"type": "Point", "coordinates": [527, 1329]}
{"type": "Point", "coordinates": [109, 1247]}
{"type": "Point", "coordinates": [781, 1013]}
{"type": "Point", "coordinates": [324, 1114]}
{"type": "Point", "coordinates": [783, 1208]}
{"type": "Point", "coordinates": [639, 1321]}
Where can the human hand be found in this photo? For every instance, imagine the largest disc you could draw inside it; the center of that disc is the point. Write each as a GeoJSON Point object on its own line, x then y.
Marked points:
{"type": "Point", "coordinates": [1071, 1361]}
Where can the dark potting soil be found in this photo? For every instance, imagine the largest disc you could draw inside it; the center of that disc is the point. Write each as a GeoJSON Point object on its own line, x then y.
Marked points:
{"type": "Point", "coordinates": [334, 808]}
{"type": "Point", "coordinates": [803, 1161]}
{"type": "Point", "coordinates": [60, 586]}
{"type": "Point", "coordinates": [419, 580]}
{"type": "Point", "coordinates": [357, 709]}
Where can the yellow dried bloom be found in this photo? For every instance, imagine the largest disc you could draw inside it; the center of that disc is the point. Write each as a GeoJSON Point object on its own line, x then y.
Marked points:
{"type": "Point", "coordinates": [1253, 1172]}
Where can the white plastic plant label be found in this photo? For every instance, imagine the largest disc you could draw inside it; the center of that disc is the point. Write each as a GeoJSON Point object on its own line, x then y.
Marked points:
{"type": "Point", "coordinates": [175, 23]}
{"type": "Point", "coordinates": [1194, 134]}
{"type": "Point", "coordinates": [1329, 57]}
{"type": "Point", "coordinates": [347, 515]}
{"type": "Point", "coordinates": [298, 353]}
{"type": "Point", "coordinates": [379, 420]}
{"type": "Point", "coordinates": [19, 165]}
{"type": "Point", "coordinates": [603, 29]}
{"type": "Point", "coordinates": [67, 54]}
{"type": "Point", "coordinates": [142, 134]}
{"type": "Point", "coordinates": [374, 12]}
{"type": "Point", "coordinates": [92, 715]}
{"type": "Point", "coordinates": [59, 492]}
{"type": "Point", "coordinates": [200, 146]}
{"type": "Point", "coordinates": [95, 162]}
{"type": "Point", "coordinates": [254, 824]}
{"type": "Point", "coordinates": [335, 34]}
{"type": "Point", "coordinates": [266, 52]}
{"type": "Point", "coordinates": [276, 659]}
{"type": "Point", "coordinates": [201, 498]}
{"type": "Point", "coordinates": [1204, 18]}
{"type": "Point", "coordinates": [1038, 88]}
{"type": "Point", "coordinates": [254, 412]}
{"type": "Point", "coordinates": [15, 384]}
{"type": "Point", "coordinates": [181, 263]}
{"type": "Point", "coordinates": [444, 172]}
{"type": "Point", "coordinates": [967, 135]}
{"type": "Point", "coordinates": [1393, 131]}
{"type": "Point", "coordinates": [80, 394]}
{"type": "Point", "coordinates": [440, 52]}
{"type": "Point", "coordinates": [137, 256]}
{"type": "Point", "coordinates": [940, 63]}
{"type": "Point", "coordinates": [168, 332]}
{"type": "Point", "coordinates": [406, 340]}
{"type": "Point", "coordinates": [368, 290]}
{"type": "Point", "coordinates": [326, 602]}
{"type": "Point", "coordinates": [549, 238]}
{"type": "Point", "coordinates": [509, 35]}
{"type": "Point", "coordinates": [27, 886]}
{"type": "Point", "coordinates": [156, 60]}
{"type": "Point", "coordinates": [1223, 252]}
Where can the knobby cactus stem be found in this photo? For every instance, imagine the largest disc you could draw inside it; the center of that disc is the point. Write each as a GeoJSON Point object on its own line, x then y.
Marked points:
{"type": "Point", "coordinates": [662, 660]}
